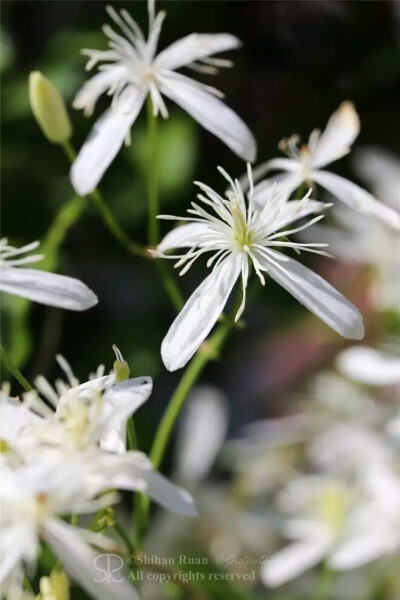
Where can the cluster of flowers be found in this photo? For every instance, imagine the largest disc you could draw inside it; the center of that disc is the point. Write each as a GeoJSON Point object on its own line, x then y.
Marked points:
{"type": "Point", "coordinates": [326, 478]}
{"type": "Point", "coordinates": [63, 452]}
{"type": "Point", "coordinates": [64, 447]}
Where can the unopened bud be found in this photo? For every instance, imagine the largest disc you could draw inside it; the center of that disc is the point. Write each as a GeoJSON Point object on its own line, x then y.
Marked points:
{"type": "Point", "coordinates": [54, 587]}
{"type": "Point", "coordinates": [49, 109]}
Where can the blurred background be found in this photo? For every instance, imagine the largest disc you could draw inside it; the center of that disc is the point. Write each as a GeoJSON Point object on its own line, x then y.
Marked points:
{"type": "Point", "coordinates": [298, 62]}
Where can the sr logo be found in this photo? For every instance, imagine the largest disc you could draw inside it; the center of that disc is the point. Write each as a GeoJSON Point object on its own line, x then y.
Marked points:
{"type": "Point", "coordinates": [108, 565]}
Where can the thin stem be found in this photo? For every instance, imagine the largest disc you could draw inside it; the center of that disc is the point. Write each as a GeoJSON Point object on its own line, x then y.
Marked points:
{"type": "Point", "coordinates": [8, 363]}
{"type": "Point", "coordinates": [124, 537]}
{"type": "Point", "coordinates": [209, 350]}
{"type": "Point", "coordinates": [152, 180]}
{"type": "Point", "coordinates": [325, 583]}
{"type": "Point", "coordinates": [107, 216]}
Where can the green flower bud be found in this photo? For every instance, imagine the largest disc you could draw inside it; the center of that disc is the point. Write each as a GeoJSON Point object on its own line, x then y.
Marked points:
{"type": "Point", "coordinates": [54, 587]}
{"type": "Point", "coordinates": [49, 109]}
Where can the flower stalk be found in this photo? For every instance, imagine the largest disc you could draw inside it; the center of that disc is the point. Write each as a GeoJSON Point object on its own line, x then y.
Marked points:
{"type": "Point", "coordinates": [8, 363]}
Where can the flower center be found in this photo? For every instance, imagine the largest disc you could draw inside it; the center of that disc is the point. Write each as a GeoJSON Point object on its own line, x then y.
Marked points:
{"type": "Point", "coordinates": [241, 232]}
{"type": "Point", "coordinates": [331, 505]}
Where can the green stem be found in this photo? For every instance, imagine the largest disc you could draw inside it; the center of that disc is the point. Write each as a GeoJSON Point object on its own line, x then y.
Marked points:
{"type": "Point", "coordinates": [106, 214]}
{"type": "Point", "coordinates": [152, 179]}
{"type": "Point", "coordinates": [6, 360]}
{"type": "Point", "coordinates": [325, 583]}
{"type": "Point", "coordinates": [124, 537]}
{"type": "Point", "coordinates": [209, 350]}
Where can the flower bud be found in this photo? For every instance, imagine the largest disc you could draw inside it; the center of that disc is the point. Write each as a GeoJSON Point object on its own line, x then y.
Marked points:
{"type": "Point", "coordinates": [49, 109]}
{"type": "Point", "coordinates": [54, 587]}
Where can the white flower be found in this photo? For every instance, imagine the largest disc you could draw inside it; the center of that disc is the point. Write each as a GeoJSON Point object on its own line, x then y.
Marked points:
{"type": "Point", "coordinates": [370, 366]}
{"type": "Point", "coordinates": [375, 531]}
{"type": "Point", "coordinates": [239, 235]}
{"type": "Point", "coordinates": [305, 164]}
{"type": "Point", "coordinates": [89, 421]}
{"type": "Point", "coordinates": [132, 71]}
{"type": "Point", "coordinates": [319, 509]}
{"type": "Point", "coordinates": [368, 241]}
{"type": "Point", "coordinates": [40, 286]}
{"type": "Point", "coordinates": [33, 500]}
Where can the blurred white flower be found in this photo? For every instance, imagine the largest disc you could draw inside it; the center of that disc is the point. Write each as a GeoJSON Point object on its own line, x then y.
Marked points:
{"type": "Point", "coordinates": [381, 170]}
{"type": "Point", "coordinates": [34, 499]}
{"type": "Point", "coordinates": [305, 165]}
{"type": "Point", "coordinates": [132, 71]}
{"type": "Point", "coordinates": [375, 531]}
{"type": "Point", "coordinates": [89, 422]}
{"type": "Point", "coordinates": [319, 509]}
{"type": "Point", "coordinates": [238, 236]}
{"type": "Point", "coordinates": [40, 286]}
{"type": "Point", "coordinates": [366, 241]}
{"type": "Point", "coordinates": [370, 366]}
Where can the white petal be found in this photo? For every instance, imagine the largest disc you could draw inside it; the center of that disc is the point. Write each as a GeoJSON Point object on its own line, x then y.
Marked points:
{"type": "Point", "coordinates": [194, 47]}
{"type": "Point", "coordinates": [182, 236]}
{"type": "Point", "coordinates": [104, 141]}
{"type": "Point", "coordinates": [101, 579]}
{"type": "Point", "coordinates": [291, 562]}
{"type": "Point", "coordinates": [133, 471]}
{"type": "Point", "coordinates": [364, 548]}
{"type": "Point", "coordinates": [88, 95]}
{"type": "Point", "coordinates": [342, 129]}
{"type": "Point", "coordinates": [199, 314]}
{"type": "Point", "coordinates": [201, 433]}
{"type": "Point", "coordinates": [211, 113]}
{"type": "Point", "coordinates": [295, 210]}
{"type": "Point", "coordinates": [381, 170]}
{"type": "Point", "coordinates": [120, 402]}
{"type": "Point", "coordinates": [369, 366]}
{"type": "Point", "coordinates": [317, 295]}
{"type": "Point", "coordinates": [281, 186]}
{"type": "Point", "coordinates": [47, 288]}
{"type": "Point", "coordinates": [357, 198]}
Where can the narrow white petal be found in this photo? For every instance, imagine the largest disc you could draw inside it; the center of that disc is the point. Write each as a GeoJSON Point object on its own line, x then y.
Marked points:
{"type": "Point", "coordinates": [317, 295]}
{"type": "Point", "coordinates": [88, 568]}
{"type": "Point", "coordinates": [88, 95]}
{"type": "Point", "coordinates": [281, 185]}
{"type": "Point", "coordinates": [120, 402]}
{"type": "Point", "coordinates": [297, 209]}
{"type": "Point", "coordinates": [199, 314]}
{"type": "Point", "coordinates": [357, 198]}
{"type": "Point", "coordinates": [182, 236]}
{"type": "Point", "coordinates": [133, 471]}
{"type": "Point", "coordinates": [364, 548]}
{"type": "Point", "coordinates": [47, 288]}
{"type": "Point", "coordinates": [211, 113]}
{"type": "Point", "coordinates": [201, 433]}
{"type": "Point", "coordinates": [381, 170]}
{"type": "Point", "coordinates": [292, 561]}
{"type": "Point", "coordinates": [194, 47]}
{"type": "Point", "coordinates": [369, 366]}
{"type": "Point", "coordinates": [342, 129]}
{"type": "Point", "coordinates": [104, 141]}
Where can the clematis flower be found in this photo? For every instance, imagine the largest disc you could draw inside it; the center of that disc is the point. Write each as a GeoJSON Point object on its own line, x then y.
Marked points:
{"type": "Point", "coordinates": [318, 510]}
{"type": "Point", "coordinates": [305, 164]}
{"type": "Point", "coordinates": [40, 286]}
{"type": "Point", "coordinates": [132, 71]}
{"type": "Point", "coordinates": [34, 498]}
{"type": "Point", "coordinates": [88, 421]}
{"type": "Point", "coordinates": [238, 235]}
